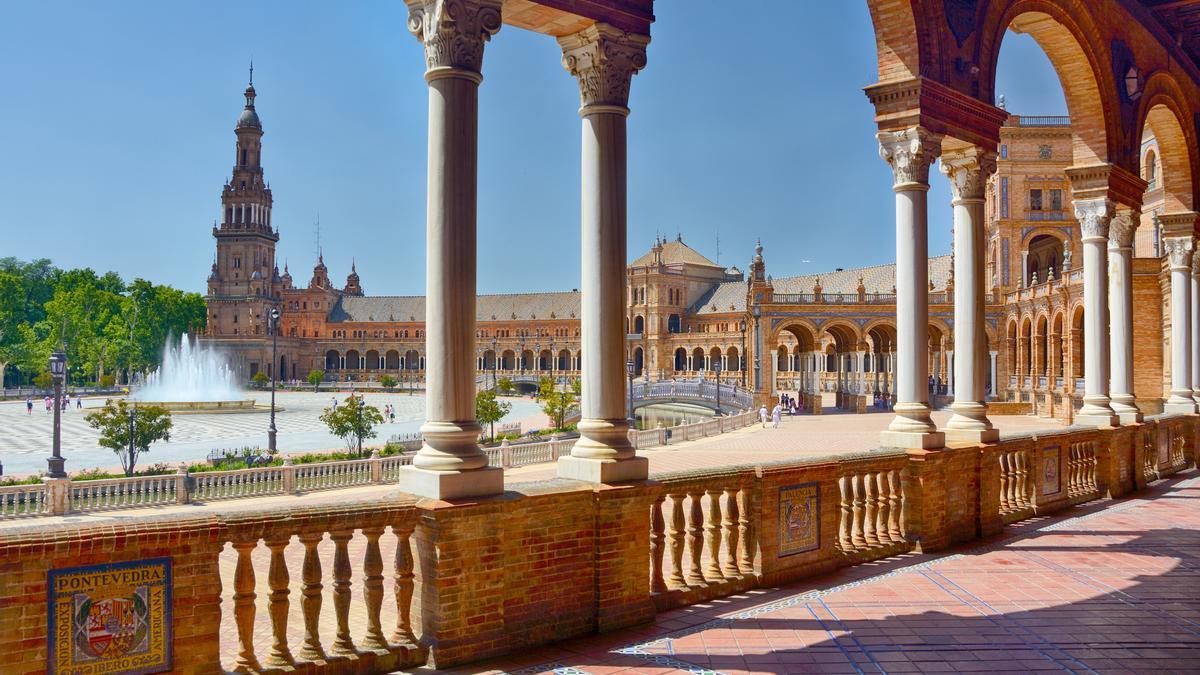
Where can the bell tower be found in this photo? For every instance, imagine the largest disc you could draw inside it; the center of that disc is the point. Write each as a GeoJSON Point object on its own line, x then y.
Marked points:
{"type": "Point", "coordinates": [245, 281]}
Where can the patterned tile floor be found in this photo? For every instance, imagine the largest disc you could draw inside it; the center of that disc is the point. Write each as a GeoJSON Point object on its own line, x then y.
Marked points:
{"type": "Point", "coordinates": [1110, 588]}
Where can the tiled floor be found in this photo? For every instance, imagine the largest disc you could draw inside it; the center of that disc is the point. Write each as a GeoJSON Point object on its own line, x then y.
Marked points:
{"type": "Point", "coordinates": [1112, 588]}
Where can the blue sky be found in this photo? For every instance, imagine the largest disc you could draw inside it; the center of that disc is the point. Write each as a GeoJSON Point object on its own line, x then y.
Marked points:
{"type": "Point", "coordinates": [118, 134]}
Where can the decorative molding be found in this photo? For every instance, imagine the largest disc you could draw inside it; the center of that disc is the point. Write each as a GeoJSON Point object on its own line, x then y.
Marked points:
{"type": "Point", "coordinates": [968, 171]}
{"type": "Point", "coordinates": [1094, 216]}
{"type": "Point", "coordinates": [604, 60]}
{"type": "Point", "coordinates": [1179, 251]}
{"type": "Point", "coordinates": [454, 31]}
{"type": "Point", "coordinates": [1066, 230]}
{"type": "Point", "coordinates": [909, 152]}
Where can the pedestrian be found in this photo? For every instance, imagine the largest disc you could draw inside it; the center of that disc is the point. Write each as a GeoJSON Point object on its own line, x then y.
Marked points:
{"type": "Point", "coordinates": [393, 415]}
{"type": "Point", "coordinates": [78, 402]}
{"type": "Point", "coordinates": [334, 399]}
{"type": "Point", "coordinates": [48, 404]}
{"type": "Point", "coordinates": [28, 405]}
{"type": "Point", "coordinates": [776, 415]}
{"type": "Point", "coordinates": [762, 415]}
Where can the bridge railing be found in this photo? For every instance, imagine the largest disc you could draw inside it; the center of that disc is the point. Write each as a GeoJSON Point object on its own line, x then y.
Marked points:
{"type": "Point", "coordinates": [731, 395]}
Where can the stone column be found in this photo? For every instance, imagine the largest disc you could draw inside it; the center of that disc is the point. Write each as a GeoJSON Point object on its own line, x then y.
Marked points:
{"type": "Point", "coordinates": [1093, 216]}
{"type": "Point", "coordinates": [1179, 255]}
{"type": "Point", "coordinates": [968, 171]}
{"type": "Point", "coordinates": [450, 463]}
{"type": "Point", "coordinates": [604, 59]}
{"type": "Point", "coordinates": [910, 152]}
{"type": "Point", "coordinates": [1120, 308]}
{"type": "Point", "coordinates": [1196, 327]}
{"type": "Point", "coordinates": [995, 386]}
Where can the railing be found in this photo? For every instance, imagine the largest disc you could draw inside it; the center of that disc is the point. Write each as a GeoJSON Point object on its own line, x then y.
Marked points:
{"type": "Point", "coordinates": [1043, 121]}
{"type": "Point", "coordinates": [1081, 470]}
{"type": "Point", "coordinates": [360, 645]}
{"type": "Point", "coordinates": [23, 500]}
{"type": "Point", "coordinates": [731, 395]}
{"type": "Point", "coordinates": [872, 508]}
{"type": "Point", "coordinates": [833, 298]}
{"type": "Point", "coordinates": [213, 485]}
{"type": "Point", "coordinates": [325, 475]}
{"type": "Point", "coordinates": [123, 493]}
{"type": "Point", "coordinates": [1016, 485]}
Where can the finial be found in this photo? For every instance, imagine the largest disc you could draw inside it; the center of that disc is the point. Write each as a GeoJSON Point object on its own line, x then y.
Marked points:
{"type": "Point", "coordinates": [1002, 105]}
{"type": "Point", "coordinates": [251, 71]}
{"type": "Point", "coordinates": [758, 248]}
{"type": "Point", "coordinates": [679, 237]}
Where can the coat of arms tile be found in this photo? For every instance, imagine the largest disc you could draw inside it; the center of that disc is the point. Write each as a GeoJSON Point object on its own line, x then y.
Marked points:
{"type": "Point", "coordinates": [1051, 470]}
{"type": "Point", "coordinates": [799, 518]}
{"type": "Point", "coordinates": [110, 618]}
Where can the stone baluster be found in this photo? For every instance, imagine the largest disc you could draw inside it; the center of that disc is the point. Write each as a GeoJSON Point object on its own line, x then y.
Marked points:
{"type": "Point", "coordinates": [730, 526]}
{"type": "Point", "coordinates": [712, 536]}
{"type": "Point", "coordinates": [277, 578]}
{"type": "Point", "coordinates": [678, 536]}
{"type": "Point", "coordinates": [695, 538]}
{"type": "Point", "coordinates": [403, 585]}
{"type": "Point", "coordinates": [373, 588]}
{"type": "Point", "coordinates": [846, 521]}
{"type": "Point", "coordinates": [1006, 480]}
{"type": "Point", "coordinates": [894, 498]}
{"type": "Point", "coordinates": [1024, 486]}
{"type": "Point", "coordinates": [657, 548]}
{"type": "Point", "coordinates": [870, 498]}
{"type": "Point", "coordinates": [243, 606]}
{"type": "Point", "coordinates": [856, 529]}
{"type": "Point", "coordinates": [881, 511]}
{"type": "Point", "coordinates": [745, 503]}
{"type": "Point", "coordinates": [310, 602]}
{"type": "Point", "coordinates": [342, 643]}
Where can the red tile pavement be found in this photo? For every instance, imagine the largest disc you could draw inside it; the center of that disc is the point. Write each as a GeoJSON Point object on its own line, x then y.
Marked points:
{"type": "Point", "coordinates": [1110, 588]}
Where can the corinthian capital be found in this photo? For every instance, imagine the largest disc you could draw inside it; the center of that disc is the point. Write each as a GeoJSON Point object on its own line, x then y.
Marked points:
{"type": "Point", "coordinates": [1179, 252]}
{"type": "Point", "coordinates": [604, 60]}
{"type": "Point", "coordinates": [909, 152]}
{"type": "Point", "coordinates": [453, 31]}
{"type": "Point", "coordinates": [968, 171]}
{"type": "Point", "coordinates": [1094, 216]}
{"type": "Point", "coordinates": [1121, 229]}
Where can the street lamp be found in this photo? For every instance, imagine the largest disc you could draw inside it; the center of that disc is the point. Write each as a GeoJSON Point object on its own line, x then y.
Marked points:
{"type": "Point", "coordinates": [562, 405]}
{"type": "Point", "coordinates": [629, 371]}
{"type": "Point", "coordinates": [495, 358]}
{"type": "Point", "coordinates": [717, 371]}
{"type": "Point", "coordinates": [273, 325]}
{"type": "Point", "coordinates": [58, 368]}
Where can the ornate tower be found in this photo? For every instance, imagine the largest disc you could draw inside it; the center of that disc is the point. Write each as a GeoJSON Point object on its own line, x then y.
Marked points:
{"type": "Point", "coordinates": [245, 280]}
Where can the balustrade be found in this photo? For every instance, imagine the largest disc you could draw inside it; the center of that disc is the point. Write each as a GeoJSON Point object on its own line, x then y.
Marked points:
{"type": "Point", "coordinates": [23, 500]}
{"type": "Point", "coordinates": [872, 508]}
{"type": "Point", "coordinates": [1081, 469]}
{"type": "Point", "coordinates": [702, 534]}
{"type": "Point", "coordinates": [1149, 455]}
{"type": "Point", "coordinates": [356, 631]}
{"type": "Point", "coordinates": [1016, 484]}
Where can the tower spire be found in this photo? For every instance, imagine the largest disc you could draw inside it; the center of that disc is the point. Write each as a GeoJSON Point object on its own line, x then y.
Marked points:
{"type": "Point", "coordinates": [251, 71]}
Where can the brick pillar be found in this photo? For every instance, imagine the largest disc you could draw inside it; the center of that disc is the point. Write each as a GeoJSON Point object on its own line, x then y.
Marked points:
{"type": "Point", "coordinates": [623, 555]}
{"type": "Point", "coordinates": [925, 499]}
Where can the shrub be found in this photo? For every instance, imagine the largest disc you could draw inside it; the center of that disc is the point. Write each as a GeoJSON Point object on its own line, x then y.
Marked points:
{"type": "Point", "coordinates": [388, 382]}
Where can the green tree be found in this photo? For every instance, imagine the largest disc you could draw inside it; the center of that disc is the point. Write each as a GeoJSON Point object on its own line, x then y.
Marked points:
{"type": "Point", "coordinates": [353, 421]}
{"type": "Point", "coordinates": [12, 318]}
{"type": "Point", "coordinates": [489, 410]}
{"type": "Point", "coordinates": [554, 401]}
{"type": "Point", "coordinates": [315, 377]}
{"type": "Point", "coordinates": [388, 382]}
{"type": "Point", "coordinates": [115, 421]}
{"type": "Point", "coordinates": [259, 380]}
{"type": "Point", "coordinates": [505, 385]}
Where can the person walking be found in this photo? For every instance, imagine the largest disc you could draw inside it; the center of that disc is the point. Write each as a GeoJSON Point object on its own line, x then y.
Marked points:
{"type": "Point", "coordinates": [28, 405]}
{"type": "Point", "coordinates": [776, 416]}
{"type": "Point", "coordinates": [49, 403]}
{"type": "Point", "coordinates": [78, 402]}
{"type": "Point", "coordinates": [762, 415]}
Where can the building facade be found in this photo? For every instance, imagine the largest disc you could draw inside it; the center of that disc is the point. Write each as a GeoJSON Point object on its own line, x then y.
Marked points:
{"type": "Point", "coordinates": [688, 316]}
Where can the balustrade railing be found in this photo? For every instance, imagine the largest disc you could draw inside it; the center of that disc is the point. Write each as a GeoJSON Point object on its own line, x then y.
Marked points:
{"type": "Point", "coordinates": [120, 493]}
{"type": "Point", "coordinates": [1016, 483]}
{"type": "Point", "coordinates": [1081, 469]}
{"type": "Point", "coordinates": [872, 507]}
{"type": "Point", "coordinates": [214, 485]}
{"type": "Point", "coordinates": [23, 500]}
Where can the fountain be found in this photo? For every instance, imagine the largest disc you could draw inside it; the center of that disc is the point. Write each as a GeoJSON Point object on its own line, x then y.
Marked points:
{"type": "Point", "coordinates": [193, 378]}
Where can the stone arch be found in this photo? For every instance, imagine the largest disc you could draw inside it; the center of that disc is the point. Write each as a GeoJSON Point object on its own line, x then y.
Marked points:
{"type": "Point", "coordinates": [802, 330]}
{"type": "Point", "coordinates": [564, 359]}
{"type": "Point", "coordinates": [698, 358]}
{"type": "Point", "coordinates": [1026, 336]}
{"type": "Point", "coordinates": [638, 361]}
{"type": "Point", "coordinates": [391, 360]}
{"type": "Point", "coordinates": [1042, 344]}
{"type": "Point", "coordinates": [733, 358]}
{"type": "Point", "coordinates": [526, 359]}
{"type": "Point", "coordinates": [1066, 32]}
{"type": "Point", "coordinates": [508, 360]}
{"type": "Point", "coordinates": [844, 334]}
{"type": "Point", "coordinates": [1058, 363]}
{"type": "Point", "coordinates": [1010, 347]}
{"type": "Point", "coordinates": [1165, 112]}
{"type": "Point", "coordinates": [333, 359]}
{"type": "Point", "coordinates": [1077, 341]}
{"type": "Point", "coordinates": [714, 357]}
{"type": "Point", "coordinates": [680, 359]}
{"type": "Point", "coordinates": [412, 360]}
{"type": "Point", "coordinates": [898, 39]}
{"type": "Point", "coordinates": [639, 324]}
{"type": "Point", "coordinates": [372, 359]}
{"type": "Point", "coordinates": [352, 359]}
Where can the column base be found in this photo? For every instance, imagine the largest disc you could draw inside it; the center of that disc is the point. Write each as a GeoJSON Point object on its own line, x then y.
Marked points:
{"type": "Point", "coordinates": [604, 470]}
{"type": "Point", "coordinates": [1174, 406]}
{"type": "Point", "coordinates": [1126, 410]}
{"type": "Point", "coordinates": [922, 440]}
{"type": "Point", "coordinates": [485, 482]}
{"type": "Point", "coordinates": [971, 435]}
{"type": "Point", "coordinates": [1097, 419]}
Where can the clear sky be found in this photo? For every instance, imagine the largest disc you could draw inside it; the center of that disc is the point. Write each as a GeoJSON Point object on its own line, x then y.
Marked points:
{"type": "Point", "coordinates": [117, 135]}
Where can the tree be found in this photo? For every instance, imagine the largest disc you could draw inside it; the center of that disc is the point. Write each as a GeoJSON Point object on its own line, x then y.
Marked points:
{"type": "Point", "coordinates": [115, 421]}
{"type": "Point", "coordinates": [489, 410]}
{"type": "Point", "coordinates": [353, 421]}
{"type": "Point", "coordinates": [260, 380]}
{"type": "Point", "coordinates": [505, 385]}
{"type": "Point", "coordinates": [388, 382]}
{"type": "Point", "coordinates": [554, 401]}
{"type": "Point", "coordinates": [315, 377]}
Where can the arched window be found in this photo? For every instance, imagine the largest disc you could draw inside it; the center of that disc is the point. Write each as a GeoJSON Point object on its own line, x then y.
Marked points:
{"type": "Point", "coordinates": [1151, 169]}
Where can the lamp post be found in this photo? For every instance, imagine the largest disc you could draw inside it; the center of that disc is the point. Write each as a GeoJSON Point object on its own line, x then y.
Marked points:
{"type": "Point", "coordinates": [757, 312]}
{"type": "Point", "coordinates": [273, 326]}
{"type": "Point", "coordinates": [629, 371]}
{"type": "Point", "coordinates": [717, 371]}
{"type": "Point", "coordinates": [495, 359]}
{"type": "Point", "coordinates": [58, 368]}
{"type": "Point", "coordinates": [562, 405]}
{"type": "Point", "coordinates": [522, 356]}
